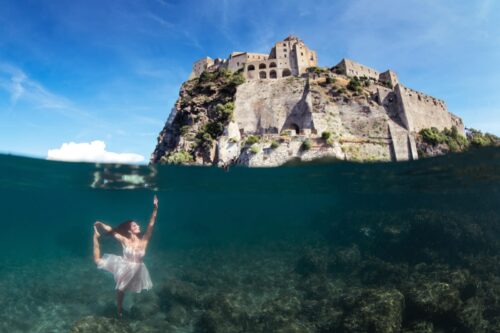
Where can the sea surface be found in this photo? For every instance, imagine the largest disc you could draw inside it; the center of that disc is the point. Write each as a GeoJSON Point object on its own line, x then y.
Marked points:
{"type": "Point", "coordinates": [330, 246]}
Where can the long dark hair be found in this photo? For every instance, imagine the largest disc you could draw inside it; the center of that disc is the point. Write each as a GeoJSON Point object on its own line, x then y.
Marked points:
{"type": "Point", "coordinates": [122, 229]}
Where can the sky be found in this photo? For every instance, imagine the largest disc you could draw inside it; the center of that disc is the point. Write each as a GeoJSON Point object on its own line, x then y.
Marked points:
{"type": "Point", "coordinates": [99, 78]}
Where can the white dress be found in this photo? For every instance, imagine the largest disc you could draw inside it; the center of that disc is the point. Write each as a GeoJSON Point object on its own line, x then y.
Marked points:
{"type": "Point", "coordinates": [129, 271]}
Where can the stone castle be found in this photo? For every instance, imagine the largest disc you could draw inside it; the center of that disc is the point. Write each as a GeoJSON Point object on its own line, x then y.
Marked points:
{"type": "Point", "coordinates": [291, 57]}
{"type": "Point", "coordinates": [288, 57]}
{"type": "Point", "coordinates": [285, 92]}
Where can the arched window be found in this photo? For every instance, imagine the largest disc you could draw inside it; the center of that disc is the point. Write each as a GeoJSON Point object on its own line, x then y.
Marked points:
{"type": "Point", "coordinates": [272, 65]}
{"type": "Point", "coordinates": [273, 75]}
{"type": "Point", "coordinates": [251, 68]}
{"type": "Point", "coordinates": [263, 75]}
{"type": "Point", "coordinates": [262, 66]}
{"type": "Point", "coordinates": [286, 72]}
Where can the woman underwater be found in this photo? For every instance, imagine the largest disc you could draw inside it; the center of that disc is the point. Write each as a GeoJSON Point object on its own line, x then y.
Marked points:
{"type": "Point", "coordinates": [129, 271]}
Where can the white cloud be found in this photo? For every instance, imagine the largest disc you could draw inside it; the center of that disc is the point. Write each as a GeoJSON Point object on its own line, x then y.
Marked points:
{"type": "Point", "coordinates": [94, 151]}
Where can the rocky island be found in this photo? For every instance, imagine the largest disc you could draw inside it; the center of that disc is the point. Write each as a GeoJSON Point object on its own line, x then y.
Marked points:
{"type": "Point", "coordinates": [267, 109]}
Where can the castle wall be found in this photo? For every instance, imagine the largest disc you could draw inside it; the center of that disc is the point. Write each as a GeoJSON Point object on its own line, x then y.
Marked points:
{"type": "Point", "coordinates": [419, 111]}
{"type": "Point", "coordinates": [352, 68]}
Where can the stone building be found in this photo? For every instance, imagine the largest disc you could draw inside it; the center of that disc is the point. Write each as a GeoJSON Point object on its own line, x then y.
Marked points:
{"type": "Point", "coordinates": [287, 57]}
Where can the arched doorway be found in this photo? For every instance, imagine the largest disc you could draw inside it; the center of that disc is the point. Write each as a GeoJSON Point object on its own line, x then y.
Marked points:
{"type": "Point", "coordinates": [273, 75]}
{"type": "Point", "coordinates": [286, 72]}
{"type": "Point", "coordinates": [262, 66]}
{"type": "Point", "coordinates": [272, 65]}
{"type": "Point", "coordinates": [263, 75]}
{"type": "Point", "coordinates": [251, 68]}
{"type": "Point", "coordinates": [294, 127]}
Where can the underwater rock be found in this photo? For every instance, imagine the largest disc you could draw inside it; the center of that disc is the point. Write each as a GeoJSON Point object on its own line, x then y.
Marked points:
{"type": "Point", "coordinates": [92, 324]}
{"type": "Point", "coordinates": [347, 256]}
{"type": "Point", "coordinates": [221, 316]}
{"type": "Point", "coordinates": [177, 315]}
{"type": "Point", "coordinates": [434, 300]}
{"type": "Point", "coordinates": [470, 317]}
{"type": "Point", "coordinates": [373, 310]}
{"type": "Point", "coordinates": [420, 327]}
{"type": "Point", "coordinates": [314, 261]}
{"type": "Point", "coordinates": [146, 305]}
{"type": "Point", "coordinates": [179, 292]}
{"type": "Point", "coordinates": [374, 271]}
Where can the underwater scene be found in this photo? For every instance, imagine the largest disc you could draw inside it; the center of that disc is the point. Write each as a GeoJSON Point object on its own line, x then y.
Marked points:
{"type": "Point", "coordinates": [330, 246]}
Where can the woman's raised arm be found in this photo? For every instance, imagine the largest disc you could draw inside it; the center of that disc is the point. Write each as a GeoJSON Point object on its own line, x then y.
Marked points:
{"type": "Point", "coordinates": [152, 220]}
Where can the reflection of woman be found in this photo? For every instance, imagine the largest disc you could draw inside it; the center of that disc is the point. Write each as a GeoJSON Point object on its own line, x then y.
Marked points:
{"type": "Point", "coordinates": [129, 271]}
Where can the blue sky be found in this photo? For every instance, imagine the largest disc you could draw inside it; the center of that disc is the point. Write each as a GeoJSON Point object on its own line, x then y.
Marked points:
{"type": "Point", "coordinates": [86, 70]}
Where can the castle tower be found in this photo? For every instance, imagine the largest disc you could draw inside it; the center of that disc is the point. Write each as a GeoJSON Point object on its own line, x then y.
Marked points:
{"type": "Point", "coordinates": [200, 66]}
{"type": "Point", "coordinates": [293, 55]}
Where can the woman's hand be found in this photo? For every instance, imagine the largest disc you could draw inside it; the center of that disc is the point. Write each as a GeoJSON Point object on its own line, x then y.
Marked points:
{"type": "Point", "coordinates": [105, 227]}
{"type": "Point", "coordinates": [155, 201]}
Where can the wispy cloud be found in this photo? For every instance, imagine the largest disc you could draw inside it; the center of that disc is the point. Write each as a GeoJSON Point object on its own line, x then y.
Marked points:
{"type": "Point", "coordinates": [161, 21]}
{"type": "Point", "coordinates": [21, 87]}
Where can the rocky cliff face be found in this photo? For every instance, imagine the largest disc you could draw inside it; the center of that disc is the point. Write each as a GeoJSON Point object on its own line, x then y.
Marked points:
{"type": "Point", "coordinates": [219, 119]}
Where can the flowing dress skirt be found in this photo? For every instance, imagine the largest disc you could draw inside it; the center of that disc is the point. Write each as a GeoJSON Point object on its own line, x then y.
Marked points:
{"type": "Point", "coordinates": [129, 275]}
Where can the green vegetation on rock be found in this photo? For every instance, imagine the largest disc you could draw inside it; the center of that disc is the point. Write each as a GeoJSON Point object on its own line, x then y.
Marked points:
{"type": "Point", "coordinates": [326, 135]}
{"type": "Point", "coordinates": [355, 85]}
{"type": "Point", "coordinates": [449, 137]}
{"type": "Point", "coordinates": [317, 70]}
{"type": "Point", "coordinates": [255, 149]}
{"type": "Point", "coordinates": [251, 140]}
{"type": "Point", "coordinates": [179, 157]}
{"type": "Point", "coordinates": [224, 112]}
{"type": "Point", "coordinates": [477, 139]}
{"type": "Point", "coordinates": [307, 144]}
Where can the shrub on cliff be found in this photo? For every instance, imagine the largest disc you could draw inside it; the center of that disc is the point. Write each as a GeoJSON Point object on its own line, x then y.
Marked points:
{"type": "Point", "coordinates": [432, 136]}
{"type": "Point", "coordinates": [237, 79]}
{"type": "Point", "coordinates": [477, 139]}
{"type": "Point", "coordinates": [330, 80]}
{"type": "Point", "coordinates": [255, 149]}
{"type": "Point", "coordinates": [179, 157]}
{"type": "Point", "coordinates": [224, 112]}
{"type": "Point", "coordinates": [207, 77]}
{"type": "Point", "coordinates": [251, 140]}
{"type": "Point", "coordinates": [450, 137]}
{"type": "Point", "coordinates": [354, 85]}
{"type": "Point", "coordinates": [275, 144]}
{"type": "Point", "coordinates": [306, 145]}
{"type": "Point", "coordinates": [326, 135]}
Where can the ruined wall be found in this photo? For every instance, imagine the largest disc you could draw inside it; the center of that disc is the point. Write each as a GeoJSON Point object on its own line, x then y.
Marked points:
{"type": "Point", "coordinates": [419, 111]}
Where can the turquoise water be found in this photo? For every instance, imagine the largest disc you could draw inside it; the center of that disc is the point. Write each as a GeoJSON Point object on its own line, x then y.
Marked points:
{"type": "Point", "coordinates": [323, 247]}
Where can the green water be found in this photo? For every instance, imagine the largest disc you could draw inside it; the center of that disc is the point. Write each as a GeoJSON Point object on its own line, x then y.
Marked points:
{"type": "Point", "coordinates": [281, 249]}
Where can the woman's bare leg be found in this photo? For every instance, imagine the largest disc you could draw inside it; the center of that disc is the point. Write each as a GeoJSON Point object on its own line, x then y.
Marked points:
{"type": "Point", "coordinates": [97, 248]}
{"type": "Point", "coordinates": [119, 301]}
